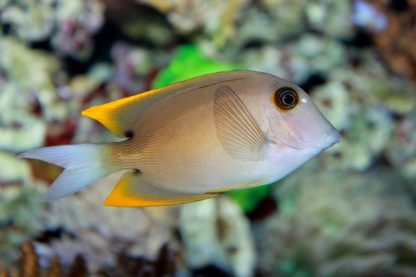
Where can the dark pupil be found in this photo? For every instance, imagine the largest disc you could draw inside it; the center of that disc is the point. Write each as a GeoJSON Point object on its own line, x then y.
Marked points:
{"type": "Point", "coordinates": [288, 98]}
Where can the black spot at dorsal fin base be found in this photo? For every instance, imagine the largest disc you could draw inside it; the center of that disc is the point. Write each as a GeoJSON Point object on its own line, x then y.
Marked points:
{"type": "Point", "coordinates": [129, 134]}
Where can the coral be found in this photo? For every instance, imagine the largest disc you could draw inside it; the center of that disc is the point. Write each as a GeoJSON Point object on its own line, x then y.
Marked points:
{"type": "Point", "coordinates": [35, 86]}
{"type": "Point", "coordinates": [276, 23]}
{"type": "Point", "coordinates": [312, 54]}
{"type": "Point", "coordinates": [298, 59]}
{"type": "Point", "coordinates": [77, 22]}
{"type": "Point", "coordinates": [97, 232]}
{"type": "Point", "coordinates": [216, 19]}
{"type": "Point", "coordinates": [28, 74]}
{"type": "Point", "coordinates": [349, 212]}
{"type": "Point", "coordinates": [364, 225]}
{"type": "Point", "coordinates": [361, 105]}
{"type": "Point", "coordinates": [395, 43]}
{"type": "Point", "coordinates": [216, 232]}
{"type": "Point", "coordinates": [289, 14]}
{"type": "Point", "coordinates": [330, 17]}
{"type": "Point", "coordinates": [401, 151]}
{"type": "Point", "coordinates": [14, 170]}
{"type": "Point", "coordinates": [20, 208]}
{"type": "Point", "coordinates": [29, 265]}
{"type": "Point", "coordinates": [131, 65]}
{"type": "Point", "coordinates": [30, 20]}
{"type": "Point", "coordinates": [70, 24]}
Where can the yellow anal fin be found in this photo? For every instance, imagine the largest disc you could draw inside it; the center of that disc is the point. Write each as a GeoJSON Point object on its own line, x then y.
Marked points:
{"type": "Point", "coordinates": [133, 191]}
{"type": "Point", "coordinates": [238, 187]}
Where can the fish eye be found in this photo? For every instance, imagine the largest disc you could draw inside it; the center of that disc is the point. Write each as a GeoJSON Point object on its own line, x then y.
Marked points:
{"type": "Point", "coordinates": [286, 98]}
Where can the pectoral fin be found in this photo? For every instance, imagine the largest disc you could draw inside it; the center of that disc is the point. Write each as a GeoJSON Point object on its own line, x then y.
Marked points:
{"type": "Point", "coordinates": [236, 127]}
{"type": "Point", "coordinates": [133, 191]}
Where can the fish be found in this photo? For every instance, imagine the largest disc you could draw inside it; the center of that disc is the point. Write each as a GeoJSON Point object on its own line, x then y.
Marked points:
{"type": "Point", "coordinates": [194, 140]}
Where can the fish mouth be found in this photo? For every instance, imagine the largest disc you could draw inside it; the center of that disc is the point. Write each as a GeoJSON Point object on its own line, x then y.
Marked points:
{"type": "Point", "coordinates": [332, 139]}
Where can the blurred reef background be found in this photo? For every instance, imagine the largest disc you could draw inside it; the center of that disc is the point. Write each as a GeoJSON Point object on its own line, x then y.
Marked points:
{"type": "Point", "coordinates": [349, 212]}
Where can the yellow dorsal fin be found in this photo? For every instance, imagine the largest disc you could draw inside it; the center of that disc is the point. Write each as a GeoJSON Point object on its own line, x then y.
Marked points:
{"type": "Point", "coordinates": [133, 191]}
{"type": "Point", "coordinates": [120, 116]}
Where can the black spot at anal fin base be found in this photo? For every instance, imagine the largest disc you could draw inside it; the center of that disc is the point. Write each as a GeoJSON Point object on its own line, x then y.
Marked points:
{"type": "Point", "coordinates": [129, 134]}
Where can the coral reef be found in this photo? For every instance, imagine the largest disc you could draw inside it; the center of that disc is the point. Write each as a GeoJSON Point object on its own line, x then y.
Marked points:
{"type": "Point", "coordinates": [216, 232]}
{"type": "Point", "coordinates": [29, 265]}
{"type": "Point", "coordinates": [35, 86]}
{"type": "Point", "coordinates": [394, 42]}
{"type": "Point", "coordinates": [361, 105]}
{"type": "Point", "coordinates": [216, 19]}
{"type": "Point", "coordinates": [86, 227]}
{"type": "Point", "coordinates": [401, 151]}
{"type": "Point", "coordinates": [20, 208]}
{"type": "Point", "coordinates": [358, 227]}
{"type": "Point", "coordinates": [69, 24]}
{"type": "Point", "coordinates": [350, 212]}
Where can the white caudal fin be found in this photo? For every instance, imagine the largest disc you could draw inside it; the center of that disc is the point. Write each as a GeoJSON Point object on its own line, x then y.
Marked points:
{"type": "Point", "coordinates": [83, 165]}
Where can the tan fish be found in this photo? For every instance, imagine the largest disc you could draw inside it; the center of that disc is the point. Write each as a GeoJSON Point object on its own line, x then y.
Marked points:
{"type": "Point", "coordinates": [195, 139]}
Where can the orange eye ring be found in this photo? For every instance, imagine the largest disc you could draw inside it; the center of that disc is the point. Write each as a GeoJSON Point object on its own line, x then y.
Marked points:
{"type": "Point", "coordinates": [286, 98]}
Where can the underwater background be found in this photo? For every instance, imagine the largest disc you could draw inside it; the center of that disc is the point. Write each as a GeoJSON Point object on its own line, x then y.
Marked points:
{"type": "Point", "coordinates": [349, 212]}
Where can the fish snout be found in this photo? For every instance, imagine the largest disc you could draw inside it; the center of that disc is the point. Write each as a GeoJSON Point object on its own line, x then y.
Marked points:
{"type": "Point", "coordinates": [332, 137]}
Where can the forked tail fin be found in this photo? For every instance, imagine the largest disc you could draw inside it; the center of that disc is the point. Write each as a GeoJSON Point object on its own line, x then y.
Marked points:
{"type": "Point", "coordinates": [83, 164]}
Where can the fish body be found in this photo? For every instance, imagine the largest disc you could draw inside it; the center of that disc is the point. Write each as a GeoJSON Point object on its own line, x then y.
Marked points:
{"type": "Point", "coordinates": [195, 139]}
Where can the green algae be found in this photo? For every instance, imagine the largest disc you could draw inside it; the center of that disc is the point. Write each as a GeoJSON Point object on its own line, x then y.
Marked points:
{"type": "Point", "coordinates": [188, 62]}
